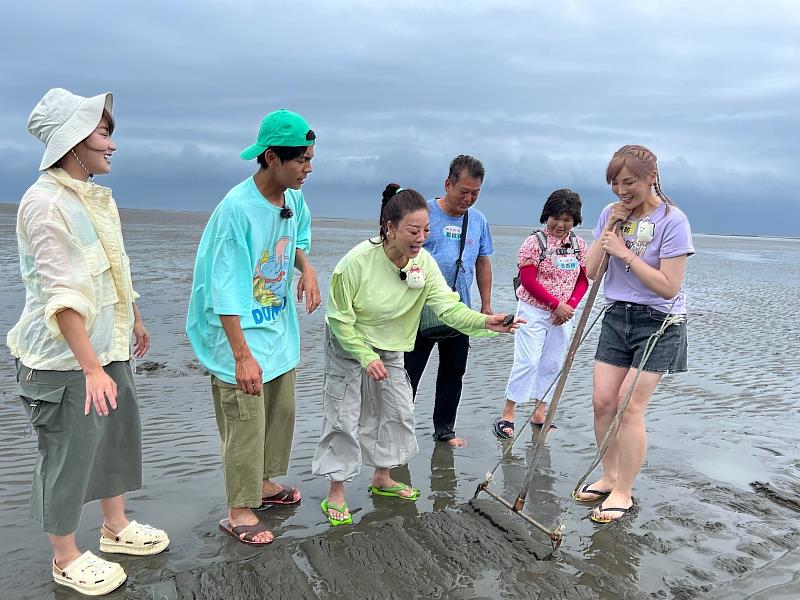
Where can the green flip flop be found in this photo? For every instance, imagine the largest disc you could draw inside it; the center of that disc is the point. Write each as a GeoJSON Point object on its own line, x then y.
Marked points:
{"type": "Point", "coordinates": [326, 508]}
{"type": "Point", "coordinates": [394, 491]}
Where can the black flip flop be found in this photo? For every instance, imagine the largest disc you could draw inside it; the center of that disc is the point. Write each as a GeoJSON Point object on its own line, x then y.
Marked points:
{"type": "Point", "coordinates": [500, 425]}
{"type": "Point", "coordinates": [602, 509]}
{"type": "Point", "coordinates": [587, 490]}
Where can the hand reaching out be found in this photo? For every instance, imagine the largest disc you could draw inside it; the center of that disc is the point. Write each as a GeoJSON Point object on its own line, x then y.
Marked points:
{"type": "Point", "coordinates": [503, 323]}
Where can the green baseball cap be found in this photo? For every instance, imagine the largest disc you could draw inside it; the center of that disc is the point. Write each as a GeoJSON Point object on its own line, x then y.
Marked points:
{"type": "Point", "coordinates": [280, 128]}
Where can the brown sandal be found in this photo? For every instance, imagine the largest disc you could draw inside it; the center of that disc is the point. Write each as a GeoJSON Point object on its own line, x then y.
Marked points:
{"type": "Point", "coordinates": [245, 533]}
{"type": "Point", "coordinates": [286, 495]}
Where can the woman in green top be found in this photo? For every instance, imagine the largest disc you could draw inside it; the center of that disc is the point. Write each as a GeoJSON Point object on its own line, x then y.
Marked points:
{"type": "Point", "coordinates": [376, 296]}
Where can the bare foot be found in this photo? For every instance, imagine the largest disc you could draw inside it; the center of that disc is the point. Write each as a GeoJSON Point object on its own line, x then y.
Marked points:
{"type": "Point", "coordinates": [539, 414]}
{"type": "Point", "coordinates": [336, 498]}
{"type": "Point", "coordinates": [63, 561]}
{"type": "Point", "coordinates": [457, 442]}
{"type": "Point", "coordinates": [116, 526]}
{"type": "Point", "coordinates": [508, 415]}
{"type": "Point", "coordinates": [245, 516]}
{"type": "Point", "coordinates": [270, 488]}
{"type": "Point", "coordinates": [338, 514]}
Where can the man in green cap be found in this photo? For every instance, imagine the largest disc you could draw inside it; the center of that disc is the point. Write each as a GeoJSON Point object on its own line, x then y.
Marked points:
{"type": "Point", "coordinates": [242, 321]}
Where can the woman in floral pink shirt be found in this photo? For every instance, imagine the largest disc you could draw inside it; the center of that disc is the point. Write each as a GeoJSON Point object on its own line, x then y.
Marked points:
{"type": "Point", "coordinates": [553, 283]}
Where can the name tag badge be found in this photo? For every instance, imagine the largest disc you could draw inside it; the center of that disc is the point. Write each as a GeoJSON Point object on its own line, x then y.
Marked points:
{"type": "Point", "coordinates": [629, 227]}
{"type": "Point", "coordinates": [452, 232]}
{"type": "Point", "coordinates": [567, 262]}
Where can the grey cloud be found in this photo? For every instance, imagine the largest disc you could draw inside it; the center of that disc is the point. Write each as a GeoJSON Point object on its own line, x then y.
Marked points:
{"type": "Point", "coordinates": [542, 94]}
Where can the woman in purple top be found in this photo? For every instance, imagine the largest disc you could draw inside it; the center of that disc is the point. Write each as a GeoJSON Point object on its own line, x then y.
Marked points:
{"type": "Point", "coordinates": [647, 263]}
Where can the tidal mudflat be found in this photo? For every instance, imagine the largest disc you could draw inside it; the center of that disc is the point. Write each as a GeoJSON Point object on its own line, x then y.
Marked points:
{"type": "Point", "coordinates": [718, 501]}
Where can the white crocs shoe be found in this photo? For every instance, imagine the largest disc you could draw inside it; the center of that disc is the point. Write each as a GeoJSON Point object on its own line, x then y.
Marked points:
{"type": "Point", "coordinates": [140, 540]}
{"type": "Point", "coordinates": [90, 575]}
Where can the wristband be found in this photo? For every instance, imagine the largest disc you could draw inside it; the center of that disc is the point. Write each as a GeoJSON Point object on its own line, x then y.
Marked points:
{"type": "Point", "coordinates": [628, 263]}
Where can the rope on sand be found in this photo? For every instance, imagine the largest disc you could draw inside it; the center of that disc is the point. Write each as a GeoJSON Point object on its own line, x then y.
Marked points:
{"type": "Point", "coordinates": [510, 446]}
{"type": "Point", "coordinates": [611, 435]}
{"type": "Point", "coordinates": [556, 534]}
{"type": "Point", "coordinates": [577, 339]}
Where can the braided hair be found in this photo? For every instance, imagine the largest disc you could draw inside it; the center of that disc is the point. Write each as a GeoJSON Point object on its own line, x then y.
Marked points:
{"type": "Point", "coordinates": [396, 203]}
{"type": "Point", "coordinates": [642, 162]}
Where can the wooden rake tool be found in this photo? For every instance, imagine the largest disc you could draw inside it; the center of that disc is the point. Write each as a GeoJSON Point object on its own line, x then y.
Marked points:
{"type": "Point", "coordinates": [555, 534]}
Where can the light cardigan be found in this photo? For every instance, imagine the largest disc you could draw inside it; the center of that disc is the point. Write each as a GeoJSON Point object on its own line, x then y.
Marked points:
{"type": "Point", "coordinates": [71, 256]}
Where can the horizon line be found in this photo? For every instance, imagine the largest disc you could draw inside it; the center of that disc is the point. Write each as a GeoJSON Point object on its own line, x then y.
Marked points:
{"type": "Point", "coordinates": [178, 210]}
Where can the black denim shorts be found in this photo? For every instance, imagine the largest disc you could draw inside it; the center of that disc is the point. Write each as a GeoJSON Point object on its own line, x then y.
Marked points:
{"type": "Point", "coordinates": [626, 329]}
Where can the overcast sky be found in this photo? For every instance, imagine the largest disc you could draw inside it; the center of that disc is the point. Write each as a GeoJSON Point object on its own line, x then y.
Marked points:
{"type": "Point", "coordinates": [542, 92]}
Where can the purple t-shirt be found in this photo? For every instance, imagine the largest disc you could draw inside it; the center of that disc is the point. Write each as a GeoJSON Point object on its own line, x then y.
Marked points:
{"type": "Point", "coordinates": [671, 237]}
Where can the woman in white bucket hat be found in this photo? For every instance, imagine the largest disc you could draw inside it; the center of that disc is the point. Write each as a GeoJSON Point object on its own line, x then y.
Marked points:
{"type": "Point", "coordinates": [72, 344]}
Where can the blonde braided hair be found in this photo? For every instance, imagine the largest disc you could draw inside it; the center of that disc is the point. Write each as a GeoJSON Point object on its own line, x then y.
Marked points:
{"type": "Point", "coordinates": [642, 162]}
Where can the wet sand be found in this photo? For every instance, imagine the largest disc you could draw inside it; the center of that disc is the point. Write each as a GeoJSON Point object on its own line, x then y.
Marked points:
{"type": "Point", "coordinates": [717, 498]}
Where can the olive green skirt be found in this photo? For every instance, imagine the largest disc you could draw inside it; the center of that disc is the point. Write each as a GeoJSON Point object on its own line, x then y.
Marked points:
{"type": "Point", "coordinates": [81, 457]}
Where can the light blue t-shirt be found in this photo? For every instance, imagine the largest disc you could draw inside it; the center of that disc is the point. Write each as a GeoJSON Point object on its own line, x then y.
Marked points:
{"type": "Point", "coordinates": [244, 267]}
{"type": "Point", "coordinates": [445, 241]}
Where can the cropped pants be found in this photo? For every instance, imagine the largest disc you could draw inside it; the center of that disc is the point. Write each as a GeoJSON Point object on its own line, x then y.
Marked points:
{"type": "Point", "coordinates": [256, 434]}
{"type": "Point", "coordinates": [539, 351]}
{"type": "Point", "coordinates": [364, 421]}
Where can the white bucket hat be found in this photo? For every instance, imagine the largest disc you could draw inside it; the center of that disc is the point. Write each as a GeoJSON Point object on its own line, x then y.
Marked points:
{"type": "Point", "coordinates": [62, 120]}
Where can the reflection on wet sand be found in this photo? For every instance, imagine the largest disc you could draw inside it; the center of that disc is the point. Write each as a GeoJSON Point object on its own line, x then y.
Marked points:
{"type": "Point", "coordinates": [443, 476]}
{"type": "Point", "coordinates": [700, 526]}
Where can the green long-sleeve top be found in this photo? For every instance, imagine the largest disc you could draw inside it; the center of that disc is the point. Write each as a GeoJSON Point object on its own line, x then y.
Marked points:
{"type": "Point", "coordinates": [369, 306]}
